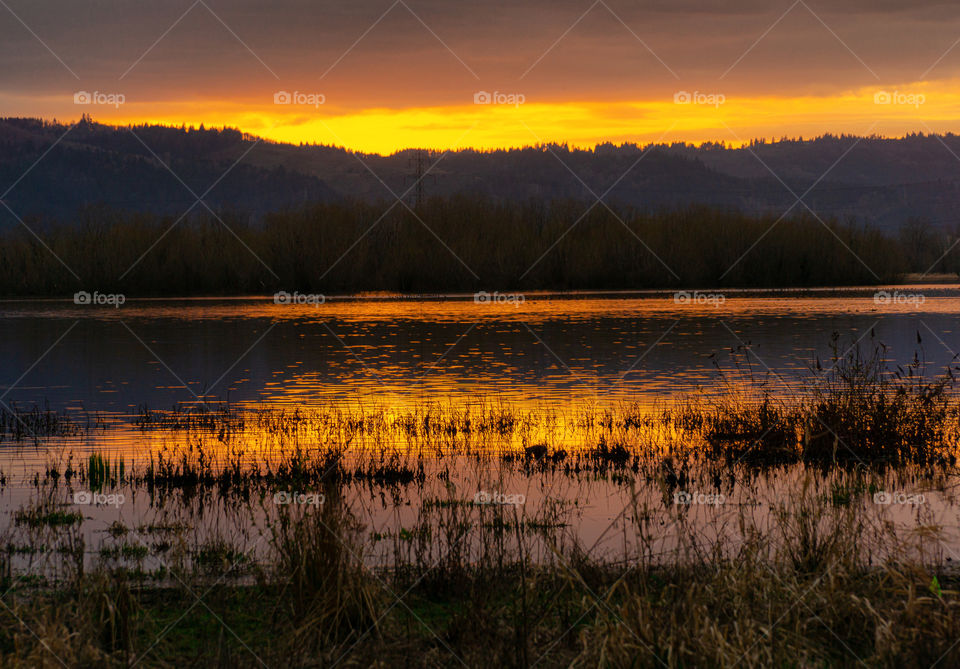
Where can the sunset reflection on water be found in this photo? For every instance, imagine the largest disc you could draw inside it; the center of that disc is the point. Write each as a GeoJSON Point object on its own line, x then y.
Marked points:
{"type": "Point", "coordinates": [555, 349]}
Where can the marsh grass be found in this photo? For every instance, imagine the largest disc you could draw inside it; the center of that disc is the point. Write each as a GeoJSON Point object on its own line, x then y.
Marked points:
{"type": "Point", "coordinates": [18, 425]}
{"type": "Point", "coordinates": [812, 574]}
{"type": "Point", "coordinates": [809, 590]}
{"type": "Point", "coordinates": [811, 599]}
{"type": "Point", "coordinates": [862, 411]}
{"type": "Point", "coordinates": [850, 410]}
{"type": "Point", "coordinates": [325, 592]}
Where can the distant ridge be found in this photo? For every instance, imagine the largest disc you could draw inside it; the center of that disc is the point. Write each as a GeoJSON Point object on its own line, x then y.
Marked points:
{"type": "Point", "coordinates": [879, 181]}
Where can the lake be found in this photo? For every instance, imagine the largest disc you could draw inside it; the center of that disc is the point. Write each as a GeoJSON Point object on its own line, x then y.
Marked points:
{"type": "Point", "coordinates": [549, 348]}
{"type": "Point", "coordinates": [372, 363]}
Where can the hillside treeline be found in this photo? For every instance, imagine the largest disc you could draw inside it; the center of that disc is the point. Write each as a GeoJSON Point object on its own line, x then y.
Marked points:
{"type": "Point", "coordinates": [51, 169]}
{"type": "Point", "coordinates": [454, 244]}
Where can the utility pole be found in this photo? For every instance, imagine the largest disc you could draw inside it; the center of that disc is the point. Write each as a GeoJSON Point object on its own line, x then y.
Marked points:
{"type": "Point", "coordinates": [419, 164]}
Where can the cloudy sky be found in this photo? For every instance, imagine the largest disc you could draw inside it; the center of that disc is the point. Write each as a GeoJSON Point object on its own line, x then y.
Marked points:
{"type": "Point", "coordinates": [379, 75]}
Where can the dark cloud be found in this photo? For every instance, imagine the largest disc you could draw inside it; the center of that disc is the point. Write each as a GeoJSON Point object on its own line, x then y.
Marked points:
{"type": "Point", "coordinates": [429, 55]}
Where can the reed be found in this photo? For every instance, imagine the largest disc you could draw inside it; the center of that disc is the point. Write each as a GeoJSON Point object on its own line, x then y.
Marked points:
{"type": "Point", "coordinates": [810, 589]}
{"type": "Point", "coordinates": [800, 566]}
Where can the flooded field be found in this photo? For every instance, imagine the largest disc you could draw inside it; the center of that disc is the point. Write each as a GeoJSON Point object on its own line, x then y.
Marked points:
{"type": "Point", "coordinates": [229, 443]}
{"type": "Point", "coordinates": [428, 403]}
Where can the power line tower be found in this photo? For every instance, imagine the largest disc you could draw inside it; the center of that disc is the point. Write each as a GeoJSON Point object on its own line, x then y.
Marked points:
{"type": "Point", "coordinates": [418, 162]}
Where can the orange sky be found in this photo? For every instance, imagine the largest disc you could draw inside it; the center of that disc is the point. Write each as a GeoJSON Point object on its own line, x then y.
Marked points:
{"type": "Point", "coordinates": [922, 107]}
{"type": "Point", "coordinates": [378, 76]}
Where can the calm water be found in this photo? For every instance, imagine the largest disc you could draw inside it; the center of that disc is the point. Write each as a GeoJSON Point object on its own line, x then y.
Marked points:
{"type": "Point", "coordinates": [551, 352]}
{"type": "Point", "coordinates": [547, 349]}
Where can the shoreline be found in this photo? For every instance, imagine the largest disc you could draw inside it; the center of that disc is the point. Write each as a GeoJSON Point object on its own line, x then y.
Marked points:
{"type": "Point", "coordinates": [938, 282]}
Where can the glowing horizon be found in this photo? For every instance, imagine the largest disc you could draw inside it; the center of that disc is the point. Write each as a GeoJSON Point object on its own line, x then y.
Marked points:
{"type": "Point", "coordinates": [696, 117]}
{"type": "Point", "coordinates": [378, 78]}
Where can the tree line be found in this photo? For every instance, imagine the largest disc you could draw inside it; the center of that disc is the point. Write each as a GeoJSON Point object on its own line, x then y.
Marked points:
{"type": "Point", "coordinates": [458, 243]}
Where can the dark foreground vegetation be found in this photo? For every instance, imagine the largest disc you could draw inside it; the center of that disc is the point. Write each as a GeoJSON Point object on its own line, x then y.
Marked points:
{"type": "Point", "coordinates": [799, 561]}
{"type": "Point", "coordinates": [810, 593]}
{"type": "Point", "coordinates": [456, 244]}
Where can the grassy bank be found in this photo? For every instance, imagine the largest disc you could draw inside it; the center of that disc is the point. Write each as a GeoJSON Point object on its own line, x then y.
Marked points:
{"type": "Point", "coordinates": [811, 592]}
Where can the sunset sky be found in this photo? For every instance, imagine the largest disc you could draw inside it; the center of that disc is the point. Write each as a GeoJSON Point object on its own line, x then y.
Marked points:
{"type": "Point", "coordinates": [380, 75]}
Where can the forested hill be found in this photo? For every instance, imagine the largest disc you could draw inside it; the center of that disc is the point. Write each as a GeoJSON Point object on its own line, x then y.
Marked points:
{"type": "Point", "coordinates": [56, 169]}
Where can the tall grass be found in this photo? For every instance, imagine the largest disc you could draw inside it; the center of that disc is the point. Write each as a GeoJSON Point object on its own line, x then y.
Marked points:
{"type": "Point", "coordinates": [863, 411]}
{"type": "Point", "coordinates": [820, 586]}
{"type": "Point", "coordinates": [324, 589]}
{"type": "Point", "coordinates": [811, 600]}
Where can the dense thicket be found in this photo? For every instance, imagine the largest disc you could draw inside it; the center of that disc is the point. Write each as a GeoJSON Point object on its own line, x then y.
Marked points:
{"type": "Point", "coordinates": [455, 244]}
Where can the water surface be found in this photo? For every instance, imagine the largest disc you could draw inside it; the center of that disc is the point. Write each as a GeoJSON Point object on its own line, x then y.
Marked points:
{"type": "Point", "coordinates": [550, 349]}
{"type": "Point", "coordinates": [553, 354]}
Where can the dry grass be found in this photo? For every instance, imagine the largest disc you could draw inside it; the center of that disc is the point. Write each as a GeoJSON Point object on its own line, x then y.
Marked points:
{"type": "Point", "coordinates": [808, 593]}
{"type": "Point", "coordinates": [810, 600]}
